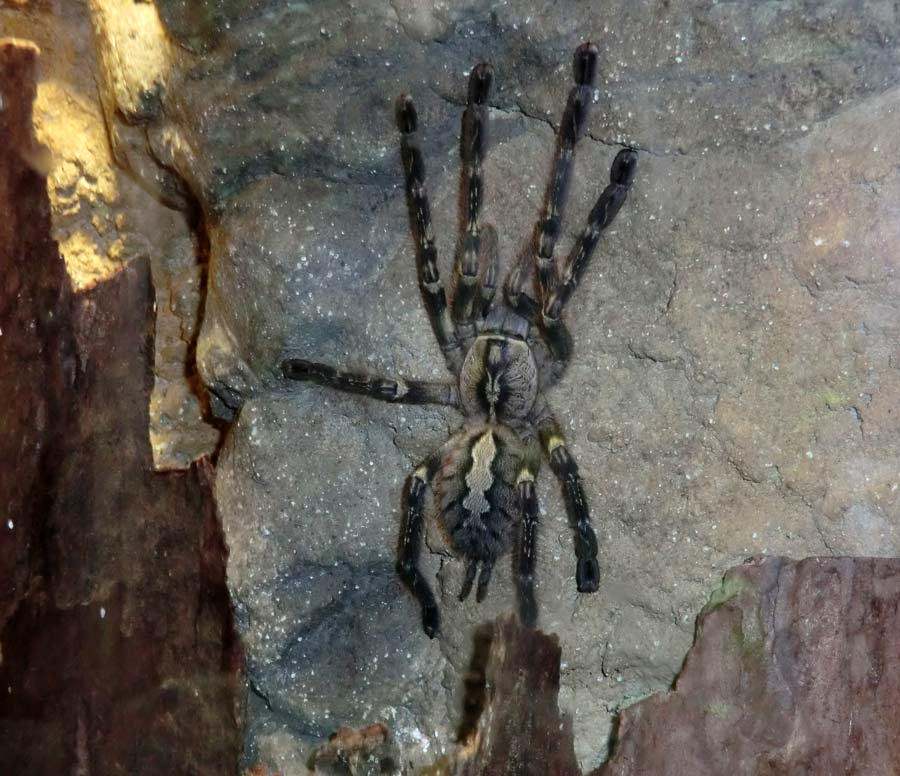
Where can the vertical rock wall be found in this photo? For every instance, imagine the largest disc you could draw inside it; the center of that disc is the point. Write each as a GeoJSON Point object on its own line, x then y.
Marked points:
{"type": "Point", "coordinates": [735, 379]}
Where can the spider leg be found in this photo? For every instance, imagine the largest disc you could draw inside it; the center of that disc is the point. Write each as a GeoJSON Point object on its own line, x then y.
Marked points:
{"type": "Point", "coordinates": [410, 545]}
{"type": "Point", "coordinates": [469, 580]}
{"type": "Point", "coordinates": [487, 568]}
{"type": "Point", "coordinates": [604, 211]}
{"type": "Point", "coordinates": [525, 557]}
{"type": "Point", "coordinates": [547, 230]}
{"type": "Point", "coordinates": [548, 321]}
{"type": "Point", "coordinates": [587, 572]}
{"type": "Point", "coordinates": [489, 262]}
{"type": "Point", "coordinates": [473, 147]}
{"type": "Point", "coordinates": [559, 344]}
{"type": "Point", "coordinates": [386, 389]}
{"type": "Point", "coordinates": [433, 294]}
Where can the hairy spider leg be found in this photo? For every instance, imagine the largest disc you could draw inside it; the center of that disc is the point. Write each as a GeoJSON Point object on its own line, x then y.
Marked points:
{"type": "Point", "coordinates": [484, 578]}
{"type": "Point", "coordinates": [411, 544]}
{"type": "Point", "coordinates": [489, 263]}
{"type": "Point", "coordinates": [430, 284]}
{"type": "Point", "coordinates": [547, 230]}
{"type": "Point", "coordinates": [587, 572]}
{"type": "Point", "coordinates": [384, 388]}
{"type": "Point", "coordinates": [527, 550]}
{"type": "Point", "coordinates": [471, 571]}
{"type": "Point", "coordinates": [549, 322]}
{"type": "Point", "coordinates": [602, 214]}
{"type": "Point", "coordinates": [472, 148]}
{"type": "Point", "coordinates": [487, 568]}
{"type": "Point", "coordinates": [571, 129]}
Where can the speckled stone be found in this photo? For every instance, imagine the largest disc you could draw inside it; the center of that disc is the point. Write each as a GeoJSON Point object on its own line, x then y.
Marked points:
{"type": "Point", "coordinates": [735, 378]}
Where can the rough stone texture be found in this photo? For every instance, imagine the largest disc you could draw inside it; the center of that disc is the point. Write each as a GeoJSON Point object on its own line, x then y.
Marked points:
{"type": "Point", "coordinates": [82, 181]}
{"type": "Point", "coordinates": [736, 371]}
{"type": "Point", "coordinates": [794, 670]}
{"type": "Point", "coordinates": [117, 648]}
{"type": "Point", "coordinates": [328, 631]}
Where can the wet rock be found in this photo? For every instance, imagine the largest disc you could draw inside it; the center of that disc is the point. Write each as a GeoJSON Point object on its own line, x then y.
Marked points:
{"type": "Point", "coordinates": [792, 671]}
{"type": "Point", "coordinates": [735, 380]}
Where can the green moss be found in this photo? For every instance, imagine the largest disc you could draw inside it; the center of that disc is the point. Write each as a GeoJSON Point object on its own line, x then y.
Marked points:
{"type": "Point", "coordinates": [834, 400]}
{"type": "Point", "coordinates": [731, 587]}
{"type": "Point", "coordinates": [720, 709]}
{"type": "Point", "coordinates": [752, 649]}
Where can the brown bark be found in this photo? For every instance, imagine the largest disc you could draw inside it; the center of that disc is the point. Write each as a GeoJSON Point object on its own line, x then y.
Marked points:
{"type": "Point", "coordinates": [118, 653]}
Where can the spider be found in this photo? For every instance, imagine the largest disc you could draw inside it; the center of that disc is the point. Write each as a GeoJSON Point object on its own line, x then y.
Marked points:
{"type": "Point", "coordinates": [504, 352]}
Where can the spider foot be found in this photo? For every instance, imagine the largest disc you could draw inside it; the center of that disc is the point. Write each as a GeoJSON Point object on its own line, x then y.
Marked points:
{"type": "Point", "coordinates": [431, 621]}
{"type": "Point", "coordinates": [584, 65]}
{"type": "Point", "coordinates": [624, 167]}
{"type": "Point", "coordinates": [587, 575]}
{"type": "Point", "coordinates": [480, 83]}
{"type": "Point", "coordinates": [407, 121]}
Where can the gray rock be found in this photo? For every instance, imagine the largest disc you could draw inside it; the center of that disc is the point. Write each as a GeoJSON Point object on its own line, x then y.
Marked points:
{"type": "Point", "coordinates": [330, 636]}
{"type": "Point", "coordinates": [735, 377]}
{"type": "Point", "coordinates": [788, 673]}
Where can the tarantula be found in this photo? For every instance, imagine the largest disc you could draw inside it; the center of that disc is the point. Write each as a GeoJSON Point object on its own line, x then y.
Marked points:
{"type": "Point", "coordinates": [504, 353]}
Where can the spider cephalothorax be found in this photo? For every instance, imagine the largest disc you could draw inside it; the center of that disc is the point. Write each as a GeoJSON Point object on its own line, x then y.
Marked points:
{"type": "Point", "coordinates": [504, 353]}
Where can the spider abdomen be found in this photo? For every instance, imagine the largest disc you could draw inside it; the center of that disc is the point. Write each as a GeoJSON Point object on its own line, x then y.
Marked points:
{"type": "Point", "coordinates": [476, 494]}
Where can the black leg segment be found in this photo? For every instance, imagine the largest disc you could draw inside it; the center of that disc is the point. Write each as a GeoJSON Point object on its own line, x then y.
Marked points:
{"type": "Point", "coordinates": [386, 389]}
{"type": "Point", "coordinates": [410, 547]}
{"type": "Point", "coordinates": [484, 578]}
{"type": "Point", "coordinates": [469, 580]}
{"type": "Point", "coordinates": [547, 231]}
{"type": "Point", "coordinates": [527, 553]}
{"type": "Point", "coordinates": [473, 147]}
{"type": "Point", "coordinates": [571, 129]}
{"type": "Point", "coordinates": [430, 284]}
{"type": "Point", "coordinates": [587, 572]}
{"type": "Point", "coordinates": [604, 211]}
{"type": "Point", "coordinates": [489, 267]}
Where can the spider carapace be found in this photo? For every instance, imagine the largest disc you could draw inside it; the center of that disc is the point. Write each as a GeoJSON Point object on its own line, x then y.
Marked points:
{"type": "Point", "coordinates": [504, 350]}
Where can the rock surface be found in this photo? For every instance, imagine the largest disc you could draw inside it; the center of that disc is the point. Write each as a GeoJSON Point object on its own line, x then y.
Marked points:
{"type": "Point", "coordinates": [794, 670]}
{"type": "Point", "coordinates": [736, 371]}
